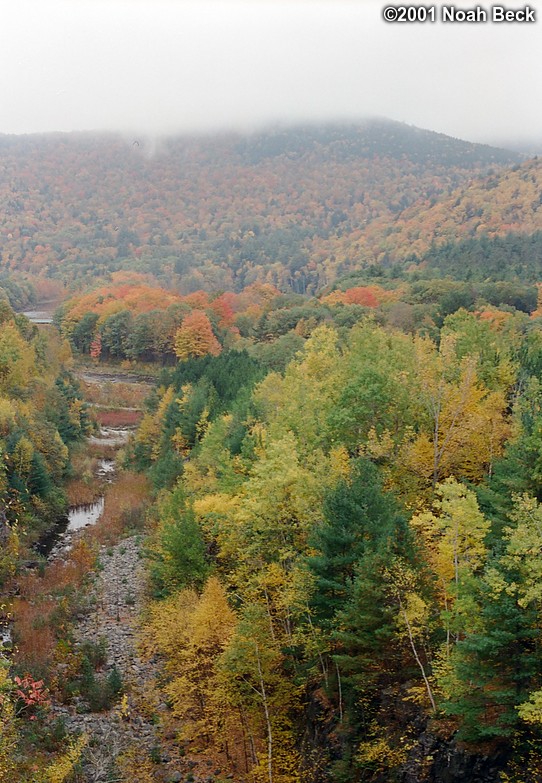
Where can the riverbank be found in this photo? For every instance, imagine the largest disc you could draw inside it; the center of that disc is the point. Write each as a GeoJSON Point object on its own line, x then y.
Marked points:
{"type": "Point", "coordinates": [85, 594]}
{"type": "Point", "coordinates": [134, 728]}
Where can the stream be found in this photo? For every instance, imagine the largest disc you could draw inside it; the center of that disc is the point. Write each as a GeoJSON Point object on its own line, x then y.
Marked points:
{"type": "Point", "coordinates": [59, 540]}
{"type": "Point", "coordinates": [39, 316]}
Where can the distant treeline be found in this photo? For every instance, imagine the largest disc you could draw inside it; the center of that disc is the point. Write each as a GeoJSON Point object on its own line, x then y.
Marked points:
{"type": "Point", "coordinates": [130, 320]}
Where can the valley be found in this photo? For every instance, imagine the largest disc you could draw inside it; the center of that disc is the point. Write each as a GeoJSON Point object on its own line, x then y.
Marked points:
{"type": "Point", "coordinates": [271, 437]}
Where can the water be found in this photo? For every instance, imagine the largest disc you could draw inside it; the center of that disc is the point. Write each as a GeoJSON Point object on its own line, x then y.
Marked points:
{"type": "Point", "coordinates": [106, 470]}
{"type": "Point", "coordinates": [39, 316]}
{"type": "Point", "coordinates": [60, 539]}
{"type": "Point", "coordinates": [110, 436]}
{"type": "Point", "coordinates": [86, 514]}
{"type": "Point", "coordinates": [78, 517]}
{"type": "Point", "coordinates": [101, 378]}
{"type": "Point", "coordinates": [6, 641]}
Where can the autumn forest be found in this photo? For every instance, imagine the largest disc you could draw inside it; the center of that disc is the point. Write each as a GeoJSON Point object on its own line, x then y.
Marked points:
{"type": "Point", "coordinates": [271, 478]}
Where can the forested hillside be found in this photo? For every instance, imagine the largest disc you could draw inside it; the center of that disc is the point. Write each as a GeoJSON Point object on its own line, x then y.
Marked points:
{"type": "Point", "coordinates": [493, 206]}
{"type": "Point", "coordinates": [512, 257]}
{"type": "Point", "coordinates": [294, 208]}
{"type": "Point", "coordinates": [345, 562]}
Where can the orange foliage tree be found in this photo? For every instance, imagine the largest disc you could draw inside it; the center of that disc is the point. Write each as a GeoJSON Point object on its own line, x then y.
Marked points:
{"type": "Point", "coordinates": [195, 337]}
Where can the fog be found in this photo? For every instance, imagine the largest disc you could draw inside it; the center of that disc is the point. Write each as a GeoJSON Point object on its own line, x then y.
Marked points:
{"type": "Point", "coordinates": [159, 66]}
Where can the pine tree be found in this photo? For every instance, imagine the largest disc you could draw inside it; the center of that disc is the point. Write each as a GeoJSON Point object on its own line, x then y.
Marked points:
{"type": "Point", "coordinates": [493, 666]}
{"type": "Point", "coordinates": [361, 521]}
{"type": "Point", "coordinates": [178, 550]}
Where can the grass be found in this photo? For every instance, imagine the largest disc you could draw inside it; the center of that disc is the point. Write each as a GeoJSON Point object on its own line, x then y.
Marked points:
{"type": "Point", "coordinates": [102, 450]}
{"type": "Point", "coordinates": [81, 493]}
{"type": "Point", "coordinates": [47, 603]}
{"type": "Point", "coordinates": [125, 506]}
{"type": "Point", "coordinates": [122, 395]}
{"type": "Point", "coordinates": [84, 488]}
{"type": "Point", "coordinates": [117, 417]}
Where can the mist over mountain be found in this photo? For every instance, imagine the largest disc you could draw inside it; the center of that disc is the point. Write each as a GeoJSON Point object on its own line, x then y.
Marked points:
{"type": "Point", "coordinates": [529, 145]}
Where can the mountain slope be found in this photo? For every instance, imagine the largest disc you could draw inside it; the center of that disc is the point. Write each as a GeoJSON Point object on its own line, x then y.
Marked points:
{"type": "Point", "coordinates": [288, 206]}
{"type": "Point", "coordinates": [510, 201]}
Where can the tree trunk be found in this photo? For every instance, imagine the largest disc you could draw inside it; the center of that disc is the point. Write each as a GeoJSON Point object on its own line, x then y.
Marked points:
{"type": "Point", "coordinates": [267, 719]}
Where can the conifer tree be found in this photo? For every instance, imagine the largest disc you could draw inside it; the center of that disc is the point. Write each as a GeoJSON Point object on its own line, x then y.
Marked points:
{"type": "Point", "coordinates": [178, 551]}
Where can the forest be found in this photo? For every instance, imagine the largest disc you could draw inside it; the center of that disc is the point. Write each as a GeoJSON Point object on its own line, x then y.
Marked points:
{"type": "Point", "coordinates": [321, 538]}
{"type": "Point", "coordinates": [294, 208]}
{"type": "Point", "coordinates": [370, 517]}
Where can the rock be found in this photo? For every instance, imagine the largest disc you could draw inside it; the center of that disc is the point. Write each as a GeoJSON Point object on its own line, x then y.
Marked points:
{"type": "Point", "coordinates": [99, 619]}
{"type": "Point", "coordinates": [175, 777]}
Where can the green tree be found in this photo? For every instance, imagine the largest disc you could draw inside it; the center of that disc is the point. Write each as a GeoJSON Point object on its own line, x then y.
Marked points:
{"type": "Point", "coordinates": [360, 520]}
{"type": "Point", "coordinates": [177, 551]}
{"type": "Point", "coordinates": [84, 332]}
{"type": "Point", "coordinates": [115, 334]}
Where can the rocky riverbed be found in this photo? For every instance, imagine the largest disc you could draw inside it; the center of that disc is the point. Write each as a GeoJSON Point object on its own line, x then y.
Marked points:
{"type": "Point", "coordinates": [138, 723]}
{"type": "Point", "coordinates": [116, 598]}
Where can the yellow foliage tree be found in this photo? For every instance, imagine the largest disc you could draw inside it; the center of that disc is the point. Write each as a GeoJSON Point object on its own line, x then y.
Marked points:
{"type": "Point", "coordinates": [62, 769]}
{"type": "Point", "coordinates": [150, 428]}
{"type": "Point", "coordinates": [301, 401]}
{"type": "Point", "coordinates": [255, 683]}
{"type": "Point", "coordinates": [453, 531]}
{"type": "Point", "coordinates": [8, 732]}
{"type": "Point", "coordinates": [17, 360]}
{"type": "Point", "coordinates": [192, 631]}
{"type": "Point", "coordinates": [466, 425]}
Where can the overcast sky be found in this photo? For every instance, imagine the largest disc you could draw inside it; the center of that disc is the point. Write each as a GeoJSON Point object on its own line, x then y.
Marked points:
{"type": "Point", "coordinates": [153, 66]}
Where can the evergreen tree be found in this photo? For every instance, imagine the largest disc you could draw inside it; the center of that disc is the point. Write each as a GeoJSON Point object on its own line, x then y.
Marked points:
{"type": "Point", "coordinates": [352, 603]}
{"type": "Point", "coordinates": [361, 522]}
{"type": "Point", "coordinates": [493, 666]}
{"type": "Point", "coordinates": [178, 552]}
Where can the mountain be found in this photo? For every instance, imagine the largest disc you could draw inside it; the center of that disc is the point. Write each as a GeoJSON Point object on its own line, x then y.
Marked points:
{"type": "Point", "coordinates": [291, 206]}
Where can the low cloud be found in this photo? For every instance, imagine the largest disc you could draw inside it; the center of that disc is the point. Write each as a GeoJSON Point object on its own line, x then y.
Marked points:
{"type": "Point", "coordinates": [163, 67]}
